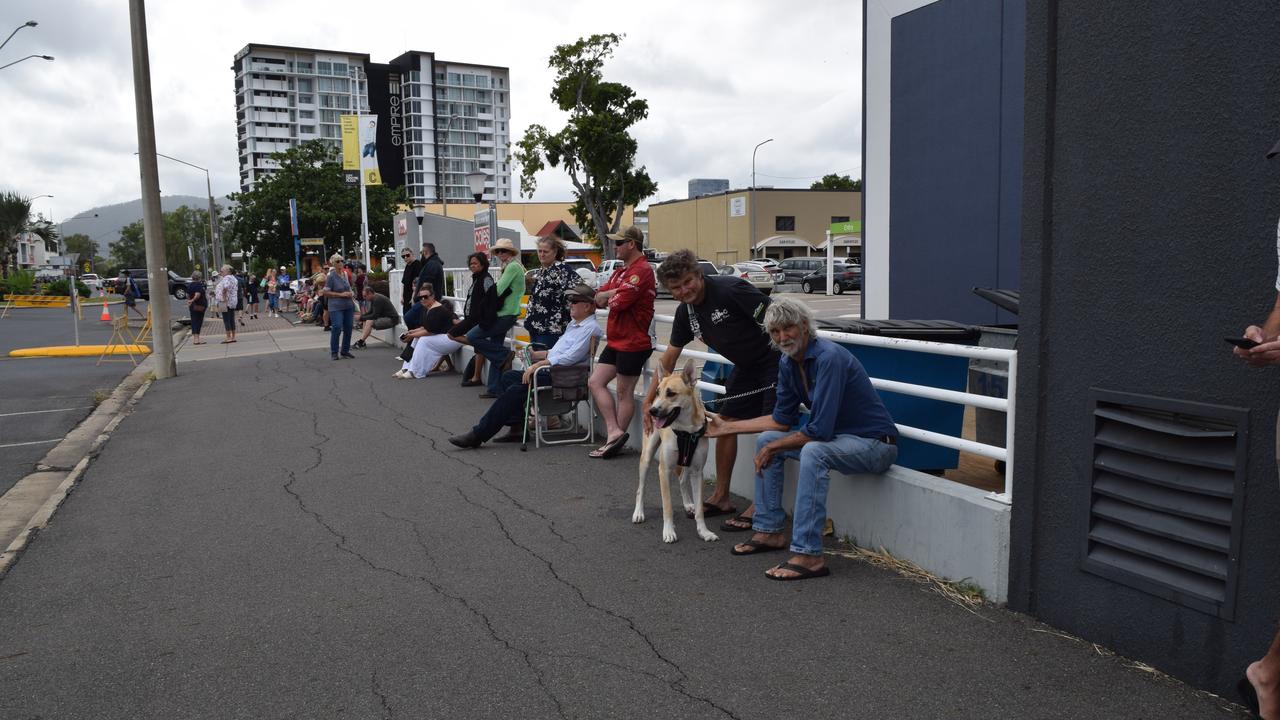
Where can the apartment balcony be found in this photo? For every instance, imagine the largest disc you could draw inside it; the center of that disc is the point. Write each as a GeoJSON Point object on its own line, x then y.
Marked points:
{"type": "Point", "coordinates": [486, 158]}
{"type": "Point", "coordinates": [484, 116]}
{"type": "Point", "coordinates": [279, 85]}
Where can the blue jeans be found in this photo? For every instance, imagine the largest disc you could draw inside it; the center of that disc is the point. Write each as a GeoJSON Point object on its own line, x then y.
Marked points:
{"type": "Point", "coordinates": [271, 301]}
{"type": "Point", "coordinates": [489, 343]}
{"type": "Point", "coordinates": [849, 454]}
{"type": "Point", "coordinates": [340, 321]}
{"type": "Point", "coordinates": [543, 341]}
{"type": "Point", "coordinates": [509, 408]}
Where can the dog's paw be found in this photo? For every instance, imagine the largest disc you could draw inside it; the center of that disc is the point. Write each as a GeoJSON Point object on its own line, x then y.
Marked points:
{"type": "Point", "coordinates": [708, 535]}
{"type": "Point", "coordinates": [637, 516]}
{"type": "Point", "coordinates": [668, 534]}
{"type": "Point", "coordinates": [690, 509]}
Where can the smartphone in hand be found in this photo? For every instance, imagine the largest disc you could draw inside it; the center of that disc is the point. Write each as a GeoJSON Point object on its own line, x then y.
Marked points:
{"type": "Point", "coordinates": [1241, 342]}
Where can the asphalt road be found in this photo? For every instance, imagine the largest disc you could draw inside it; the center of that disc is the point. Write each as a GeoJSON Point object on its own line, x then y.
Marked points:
{"type": "Point", "coordinates": [303, 542]}
{"type": "Point", "coordinates": [44, 398]}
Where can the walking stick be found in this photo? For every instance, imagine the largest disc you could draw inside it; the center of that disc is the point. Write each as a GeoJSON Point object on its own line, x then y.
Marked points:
{"type": "Point", "coordinates": [524, 437]}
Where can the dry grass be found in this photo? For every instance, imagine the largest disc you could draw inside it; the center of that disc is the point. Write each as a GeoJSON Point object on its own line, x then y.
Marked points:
{"type": "Point", "coordinates": [960, 592]}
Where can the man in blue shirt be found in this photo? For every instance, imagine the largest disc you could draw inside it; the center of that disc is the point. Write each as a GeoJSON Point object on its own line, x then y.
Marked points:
{"type": "Point", "coordinates": [573, 348]}
{"type": "Point", "coordinates": [848, 430]}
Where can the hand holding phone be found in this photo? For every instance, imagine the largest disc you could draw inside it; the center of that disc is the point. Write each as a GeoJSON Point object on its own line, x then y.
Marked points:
{"type": "Point", "coordinates": [1242, 342]}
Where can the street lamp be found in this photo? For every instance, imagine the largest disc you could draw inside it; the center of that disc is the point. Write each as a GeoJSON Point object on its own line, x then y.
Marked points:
{"type": "Point", "coordinates": [440, 175]}
{"type": "Point", "coordinates": [27, 24]}
{"type": "Point", "coordinates": [50, 209]}
{"type": "Point", "coordinates": [15, 62]}
{"type": "Point", "coordinates": [213, 229]}
{"type": "Point", "coordinates": [418, 211]}
{"type": "Point", "coordinates": [751, 249]}
{"type": "Point", "coordinates": [475, 181]}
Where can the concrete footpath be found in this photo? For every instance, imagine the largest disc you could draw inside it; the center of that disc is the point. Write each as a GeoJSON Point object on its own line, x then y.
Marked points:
{"type": "Point", "coordinates": [273, 534]}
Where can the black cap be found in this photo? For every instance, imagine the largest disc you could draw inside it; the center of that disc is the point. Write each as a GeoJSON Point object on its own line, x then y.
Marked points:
{"type": "Point", "coordinates": [1274, 151]}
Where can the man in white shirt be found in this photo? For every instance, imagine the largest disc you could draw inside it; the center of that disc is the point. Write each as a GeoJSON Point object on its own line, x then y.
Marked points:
{"type": "Point", "coordinates": [573, 348]}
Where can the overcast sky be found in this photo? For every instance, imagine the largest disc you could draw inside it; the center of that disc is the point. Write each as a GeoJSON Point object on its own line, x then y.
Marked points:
{"type": "Point", "coordinates": [719, 77]}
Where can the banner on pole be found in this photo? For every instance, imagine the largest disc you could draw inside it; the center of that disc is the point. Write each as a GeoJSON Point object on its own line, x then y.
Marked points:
{"type": "Point", "coordinates": [360, 148]}
{"type": "Point", "coordinates": [293, 216]}
{"type": "Point", "coordinates": [482, 230]}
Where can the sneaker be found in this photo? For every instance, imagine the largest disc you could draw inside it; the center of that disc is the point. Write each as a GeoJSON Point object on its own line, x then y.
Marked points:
{"type": "Point", "coordinates": [348, 356]}
{"type": "Point", "coordinates": [359, 345]}
{"type": "Point", "coordinates": [466, 440]}
{"type": "Point", "coordinates": [333, 357]}
{"type": "Point", "coordinates": [402, 374]}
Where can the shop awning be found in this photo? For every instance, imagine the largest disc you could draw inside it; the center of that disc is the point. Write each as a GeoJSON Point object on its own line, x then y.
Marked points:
{"type": "Point", "coordinates": [784, 241]}
{"type": "Point", "coordinates": [843, 241]}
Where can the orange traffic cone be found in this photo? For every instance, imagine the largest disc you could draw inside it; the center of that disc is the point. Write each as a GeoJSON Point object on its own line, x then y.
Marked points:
{"type": "Point", "coordinates": [106, 314]}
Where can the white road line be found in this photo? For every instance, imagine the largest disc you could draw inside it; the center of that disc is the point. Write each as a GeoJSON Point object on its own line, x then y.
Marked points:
{"type": "Point", "coordinates": [37, 412]}
{"type": "Point", "coordinates": [37, 442]}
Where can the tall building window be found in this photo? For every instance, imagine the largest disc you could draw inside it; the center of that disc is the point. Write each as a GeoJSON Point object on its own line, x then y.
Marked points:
{"type": "Point", "coordinates": [784, 223]}
{"type": "Point", "coordinates": [323, 68]}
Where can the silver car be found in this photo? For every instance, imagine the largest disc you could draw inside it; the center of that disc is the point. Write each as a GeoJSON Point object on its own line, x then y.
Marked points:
{"type": "Point", "coordinates": [754, 273]}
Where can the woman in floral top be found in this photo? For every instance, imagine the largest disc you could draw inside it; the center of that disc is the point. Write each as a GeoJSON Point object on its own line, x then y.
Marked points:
{"type": "Point", "coordinates": [548, 312]}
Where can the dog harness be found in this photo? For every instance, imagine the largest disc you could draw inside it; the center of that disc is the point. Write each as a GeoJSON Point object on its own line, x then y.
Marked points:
{"type": "Point", "coordinates": [686, 443]}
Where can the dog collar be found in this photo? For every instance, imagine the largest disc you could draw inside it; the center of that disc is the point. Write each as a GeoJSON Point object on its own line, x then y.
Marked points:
{"type": "Point", "coordinates": [686, 443]}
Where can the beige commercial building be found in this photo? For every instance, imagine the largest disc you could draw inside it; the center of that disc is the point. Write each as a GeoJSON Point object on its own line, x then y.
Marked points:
{"type": "Point", "coordinates": [534, 215]}
{"type": "Point", "coordinates": [786, 223]}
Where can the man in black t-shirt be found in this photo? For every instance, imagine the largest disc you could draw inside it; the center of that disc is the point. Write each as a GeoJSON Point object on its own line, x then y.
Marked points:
{"type": "Point", "coordinates": [726, 314]}
{"type": "Point", "coordinates": [382, 315]}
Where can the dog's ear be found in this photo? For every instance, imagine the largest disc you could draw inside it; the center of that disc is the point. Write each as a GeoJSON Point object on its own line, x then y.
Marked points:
{"type": "Point", "coordinates": [687, 372]}
{"type": "Point", "coordinates": [658, 373]}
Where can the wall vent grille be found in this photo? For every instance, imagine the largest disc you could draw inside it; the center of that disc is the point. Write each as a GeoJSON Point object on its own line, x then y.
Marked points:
{"type": "Point", "coordinates": [1166, 496]}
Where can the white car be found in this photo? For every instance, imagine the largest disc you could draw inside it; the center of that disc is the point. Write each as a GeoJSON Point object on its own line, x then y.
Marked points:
{"type": "Point", "coordinates": [91, 281]}
{"type": "Point", "coordinates": [585, 269]}
{"type": "Point", "coordinates": [606, 270]}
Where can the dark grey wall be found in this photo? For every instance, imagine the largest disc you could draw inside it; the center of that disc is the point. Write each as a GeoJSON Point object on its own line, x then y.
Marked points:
{"type": "Point", "coordinates": [956, 148]}
{"type": "Point", "coordinates": [1149, 227]}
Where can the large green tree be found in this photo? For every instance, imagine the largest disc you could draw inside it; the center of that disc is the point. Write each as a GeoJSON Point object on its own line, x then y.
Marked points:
{"type": "Point", "coordinates": [86, 248]}
{"type": "Point", "coordinates": [837, 182]}
{"type": "Point", "coordinates": [595, 146]}
{"type": "Point", "coordinates": [130, 251]}
{"type": "Point", "coordinates": [327, 207]}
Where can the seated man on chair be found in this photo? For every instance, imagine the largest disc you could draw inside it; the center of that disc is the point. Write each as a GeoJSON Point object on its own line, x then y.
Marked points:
{"type": "Point", "coordinates": [848, 430]}
{"type": "Point", "coordinates": [573, 348]}
{"type": "Point", "coordinates": [381, 315]}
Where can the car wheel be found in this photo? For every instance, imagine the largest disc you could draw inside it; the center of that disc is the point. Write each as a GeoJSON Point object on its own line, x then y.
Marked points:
{"type": "Point", "coordinates": [180, 293]}
{"type": "Point", "coordinates": [806, 287]}
{"type": "Point", "coordinates": [838, 289]}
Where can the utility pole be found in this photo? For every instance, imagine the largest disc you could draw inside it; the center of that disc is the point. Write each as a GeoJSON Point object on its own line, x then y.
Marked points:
{"type": "Point", "coordinates": [152, 219]}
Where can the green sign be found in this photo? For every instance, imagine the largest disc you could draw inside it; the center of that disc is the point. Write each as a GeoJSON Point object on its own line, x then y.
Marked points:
{"type": "Point", "coordinates": [846, 228]}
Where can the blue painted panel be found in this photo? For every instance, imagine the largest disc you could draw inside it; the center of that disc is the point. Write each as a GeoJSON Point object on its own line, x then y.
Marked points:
{"type": "Point", "coordinates": [955, 178]}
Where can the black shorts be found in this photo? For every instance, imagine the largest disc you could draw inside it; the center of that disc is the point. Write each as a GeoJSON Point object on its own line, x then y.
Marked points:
{"type": "Point", "coordinates": [630, 364]}
{"type": "Point", "coordinates": [744, 381]}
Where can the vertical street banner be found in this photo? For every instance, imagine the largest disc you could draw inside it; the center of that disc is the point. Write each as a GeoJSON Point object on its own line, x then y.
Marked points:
{"type": "Point", "coordinates": [360, 148]}
{"type": "Point", "coordinates": [482, 230]}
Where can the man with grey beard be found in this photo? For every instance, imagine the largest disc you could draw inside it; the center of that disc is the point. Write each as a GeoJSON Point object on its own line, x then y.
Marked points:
{"type": "Point", "coordinates": [848, 429]}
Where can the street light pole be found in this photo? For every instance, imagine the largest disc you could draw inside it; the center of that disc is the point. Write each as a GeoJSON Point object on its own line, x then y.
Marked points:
{"type": "Point", "coordinates": [418, 211]}
{"type": "Point", "coordinates": [27, 24]}
{"type": "Point", "coordinates": [213, 232]}
{"type": "Point", "coordinates": [751, 244]}
{"type": "Point", "coordinates": [15, 62]}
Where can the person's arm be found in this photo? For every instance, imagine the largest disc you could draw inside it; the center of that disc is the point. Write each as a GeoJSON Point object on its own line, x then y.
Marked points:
{"type": "Point", "coordinates": [1267, 352]}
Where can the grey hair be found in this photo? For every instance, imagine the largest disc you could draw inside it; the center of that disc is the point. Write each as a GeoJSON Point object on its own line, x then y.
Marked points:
{"type": "Point", "coordinates": [226, 269]}
{"type": "Point", "coordinates": [677, 265]}
{"type": "Point", "coordinates": [786, 312]}
{"type": "Point", "coordinates": [196, 275]}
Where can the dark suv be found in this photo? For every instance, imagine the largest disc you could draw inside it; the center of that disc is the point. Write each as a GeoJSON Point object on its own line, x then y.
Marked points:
{"type": "Point", "coordinates": [177, 284]}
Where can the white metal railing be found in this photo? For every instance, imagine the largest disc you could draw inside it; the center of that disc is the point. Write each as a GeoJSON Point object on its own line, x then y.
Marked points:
{"type": "Point", "coordinates": [1000, 355]}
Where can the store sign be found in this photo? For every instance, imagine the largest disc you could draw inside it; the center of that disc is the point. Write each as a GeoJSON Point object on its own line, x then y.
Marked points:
{"type": "Point", "coordinates": [846, 228]}
{"type": "Point", "coordinates": [402, 226]}
{"type": "Point", "coordinates": [481, 220]}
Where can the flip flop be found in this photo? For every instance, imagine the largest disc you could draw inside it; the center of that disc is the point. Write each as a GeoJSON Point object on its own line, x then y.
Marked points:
{"type": "Point", "coordinates": [710, 510]}
{"type": "Point", "coordinates": [611, 449]}
{"type": "Point", "coordinates": [728, 526]}
{"type": "Point", "coordinates": [1249, 695]}
{"type": "Point", "coordinates": [802, 572]}
{"type": "Point", "coordinates": [757, 547]}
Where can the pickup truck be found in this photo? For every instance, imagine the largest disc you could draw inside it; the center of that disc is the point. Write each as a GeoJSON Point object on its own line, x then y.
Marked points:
{"type": "Point", "coordinates": [177, 284]}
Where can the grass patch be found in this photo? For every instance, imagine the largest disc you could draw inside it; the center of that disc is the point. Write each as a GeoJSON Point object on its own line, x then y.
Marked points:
{"type": "Point", "coordinates": [99, 396]}
{"type": "Point", "coordinates": [962, 592]}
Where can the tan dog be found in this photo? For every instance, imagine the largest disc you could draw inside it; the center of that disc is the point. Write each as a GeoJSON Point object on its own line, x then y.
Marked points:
{"type": "Point", "coordinates": [679, 424]}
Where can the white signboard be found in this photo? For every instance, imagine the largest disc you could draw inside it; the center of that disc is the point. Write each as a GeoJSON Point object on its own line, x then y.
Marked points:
{"type": "Point", "coordinates": [738, 206]}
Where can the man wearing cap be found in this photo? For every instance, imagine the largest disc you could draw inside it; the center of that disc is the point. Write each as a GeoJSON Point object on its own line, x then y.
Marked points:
{"type": "Point", "coordinates": [629, 295]}
{"type": "Point", "coordinates": [573, 348]}
{"type": "Point", "coordinates": [431, 270]}
{"type": "Point", "coordinates": [381, 315]}
{"type": "Point", "coordinates": [1260, 686]}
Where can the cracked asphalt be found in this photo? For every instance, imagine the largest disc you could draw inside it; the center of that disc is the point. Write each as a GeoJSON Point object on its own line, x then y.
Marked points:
{"type": "Point", "coordinates": [285, 536]}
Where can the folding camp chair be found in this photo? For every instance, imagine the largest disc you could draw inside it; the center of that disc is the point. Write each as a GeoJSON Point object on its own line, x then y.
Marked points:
{"type": "Point", "coordinates": [564, 397]}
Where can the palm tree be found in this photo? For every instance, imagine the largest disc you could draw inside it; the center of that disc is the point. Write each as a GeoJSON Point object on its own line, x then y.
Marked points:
{"type": "Point", "coordinates": [15, 219]}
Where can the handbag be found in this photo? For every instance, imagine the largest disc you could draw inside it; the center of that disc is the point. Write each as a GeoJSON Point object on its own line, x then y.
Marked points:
{"type": "Point", "coordinates": [569, 382]}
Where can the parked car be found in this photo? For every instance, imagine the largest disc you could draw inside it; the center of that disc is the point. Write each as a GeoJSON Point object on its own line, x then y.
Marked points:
{"type": "Point", "coordinates": [755, 274]}
{"type": "Point", "coordinates": [844, 277]}
{"type": "Point", "coordinates": [91, 281]}
{"type": "Point", "coordinates": [660, 289]}
{"type": "Point", "coordinates": [586, 270]}
{"type": "Point", "coordinates": [177, 283]}
{"type": "Point", "coordinates": [607, 267]}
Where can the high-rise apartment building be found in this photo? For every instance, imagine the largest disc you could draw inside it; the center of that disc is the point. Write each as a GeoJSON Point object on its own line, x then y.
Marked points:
{"type": "Point", "coordinates": [437, 120]}
{"type": "Point", "coordinates": [707, 186]}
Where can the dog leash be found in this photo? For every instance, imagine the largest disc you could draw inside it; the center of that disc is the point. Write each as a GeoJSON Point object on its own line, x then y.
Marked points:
{"type": "Point", "coordinates": [740, 395]}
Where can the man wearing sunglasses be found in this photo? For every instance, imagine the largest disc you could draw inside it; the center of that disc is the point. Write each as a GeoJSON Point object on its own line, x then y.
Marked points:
{"type": "Point", "coordinates": [629, 295]}
{"type": "Point", "coordinates": [410, 277]}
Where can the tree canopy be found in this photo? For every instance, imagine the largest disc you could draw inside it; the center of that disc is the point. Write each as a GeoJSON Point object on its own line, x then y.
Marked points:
{"type": "Point", "coordinates": [327, 207]}
{"type": "Point", "coordinates": [15, 219]}
{"type": "Point", "coordinates": [595, 147]}
{"type": "Point", "coordinates": [837, 182]}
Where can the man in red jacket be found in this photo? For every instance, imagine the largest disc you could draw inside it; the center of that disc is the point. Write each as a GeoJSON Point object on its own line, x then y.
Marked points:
{"type": "Point", "coordinates": [629, 295]}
